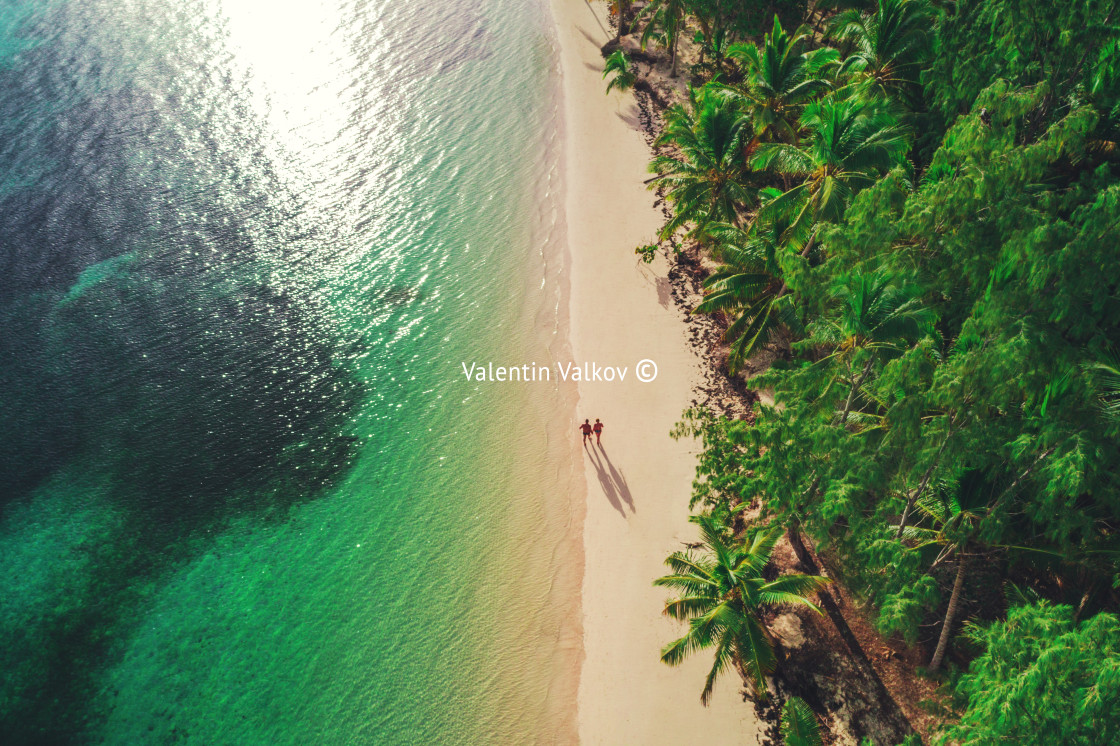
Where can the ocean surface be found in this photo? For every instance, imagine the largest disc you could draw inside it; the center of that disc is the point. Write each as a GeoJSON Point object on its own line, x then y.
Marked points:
{"type": "Point", "coordinates": [247, 495]}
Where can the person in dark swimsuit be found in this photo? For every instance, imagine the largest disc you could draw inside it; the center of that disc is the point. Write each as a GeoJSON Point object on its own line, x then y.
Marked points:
{"type": "Point", "coordinates": [598, 429]}
{"type": "Point", "coordinates": [585, 428]}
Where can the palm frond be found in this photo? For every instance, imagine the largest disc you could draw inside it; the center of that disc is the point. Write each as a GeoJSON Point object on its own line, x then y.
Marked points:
{"type": "Point", "coordinates": [724, 658]}
{"type": "Point", "coordinates": [755, 652]}
{"type": "Point", "coordinates": [783, 158]}
{"type": "Point", "coordinates": [771, 598]}
{"type": "Point", "coordinates": [675, 652]}
{"type": "Point", "coordinates": [687, 607]}
{"type": "Point", "coordinates": [686, 583]}
{"type": "Point", "coordinates": [798, 584]}
{"type": "Point", "coordinates": [799, 724]}
{"type": "Point", "coordinates": [760, 546]}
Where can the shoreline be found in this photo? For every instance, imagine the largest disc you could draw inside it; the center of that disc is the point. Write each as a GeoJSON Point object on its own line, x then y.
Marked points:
{"type": "Point", "coordinates": [637, 485]}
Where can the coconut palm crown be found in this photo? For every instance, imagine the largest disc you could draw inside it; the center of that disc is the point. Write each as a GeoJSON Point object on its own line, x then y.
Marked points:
{"type": "Point", "coordinates": [852, 141]}
{"type": "Point", "coordinates": [722, 595]}
{"type": "Point", "coordinates": [888, 45]}
{"type": "Point", "coordinates": [705, 178]}
{"type": "Point", "coordinates": [781, 78]}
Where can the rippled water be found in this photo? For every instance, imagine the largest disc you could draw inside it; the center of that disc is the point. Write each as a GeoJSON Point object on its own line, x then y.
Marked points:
{"type": "Point", "coordinates": [248, 496]}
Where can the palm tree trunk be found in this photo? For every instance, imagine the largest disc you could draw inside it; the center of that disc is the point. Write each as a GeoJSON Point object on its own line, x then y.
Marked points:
{"type": "Point", "coordinates": [673, 53]}
{"type": "Point", "coordinates": [852, 393]}
{"type": "Point", "coordinates": [1081, 606]}
{"type": "Point", "coordinates": [706, 30]}
{"type": "Point", "coordinates": [793, 536]}
{"type": "Point", "coordinates": [750, 147]}
{"type": "Point", "coordinates": [819, 15]}
{"type": "Point", "coordinates": [808, 246]}
{"type": "Point", "coordinates": [950, 613]}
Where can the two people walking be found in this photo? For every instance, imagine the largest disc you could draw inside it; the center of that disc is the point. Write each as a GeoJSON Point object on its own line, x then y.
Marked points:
{"type": "Point", "coordinates": [587, 428]}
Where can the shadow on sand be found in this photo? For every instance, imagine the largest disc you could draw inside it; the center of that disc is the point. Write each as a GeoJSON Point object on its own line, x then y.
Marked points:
{"type": "Point", "coordinates": [611, 479]}
{"type": "Point", "coordinates": [607, 35]}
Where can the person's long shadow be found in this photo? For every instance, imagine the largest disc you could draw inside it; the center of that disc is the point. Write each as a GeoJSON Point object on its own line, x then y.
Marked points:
{"type": "Point", "coordinates": [611, 480]}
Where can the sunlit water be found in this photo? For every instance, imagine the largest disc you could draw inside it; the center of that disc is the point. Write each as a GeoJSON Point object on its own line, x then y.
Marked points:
{"type": "Point", "coordinates": [248, 496]}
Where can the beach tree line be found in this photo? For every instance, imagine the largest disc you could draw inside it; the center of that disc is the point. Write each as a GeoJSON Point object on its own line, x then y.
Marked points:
{"type": "Point", "coordinates": [914, 209]}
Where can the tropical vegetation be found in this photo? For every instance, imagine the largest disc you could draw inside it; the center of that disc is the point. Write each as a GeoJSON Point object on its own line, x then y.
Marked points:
{"type": "Point", "coordinates": [799, 725]}
{"type": "Point", "coordinates": [913, 208]}
{"type": "Point", "coordinates": [619, 65]}
{"type": "Point", "coordinates": [722, 594]}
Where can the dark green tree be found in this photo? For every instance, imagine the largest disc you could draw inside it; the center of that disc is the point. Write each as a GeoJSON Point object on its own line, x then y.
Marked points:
{"type": "Point", "coordinates": [1069, 47]}
{"type": "Point", "coordinates": [1042, 679]}
{"type": "Point", "coordinates": [875, 314]}
{"type": "Point", "coordinates": [748, 288]}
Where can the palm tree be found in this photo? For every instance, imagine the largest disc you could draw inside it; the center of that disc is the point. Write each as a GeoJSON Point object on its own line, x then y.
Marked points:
{"type": "Point", "coordinates": [948, 520]}
{"type": "Point", "coordinates": [722, 597]}
{"type": "Point", "coordinates": [888, 46]}
{"type": "Point", "coordinates": [781, 77]}
{"type": "Point", "coordinates": [619, 64]}
{"type": "Point", "coordinates": [747, 287]}
{"type": "Point", "coordinates": [851, 142]}
{"type": "Point", "coordinates": [706, 180]}
{"type": "Point", "coordinates": [715, 19]}
{"type": "Point", "coordinates": [666, 18]}
{"type": "Point", "coordinates": [876, 312]}
{"type": "Point", "coordinates": [619, 9]}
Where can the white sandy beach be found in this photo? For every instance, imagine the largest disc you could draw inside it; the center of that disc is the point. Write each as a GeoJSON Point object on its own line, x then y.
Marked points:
{"type": "Point", "coordinates": [638, 485]}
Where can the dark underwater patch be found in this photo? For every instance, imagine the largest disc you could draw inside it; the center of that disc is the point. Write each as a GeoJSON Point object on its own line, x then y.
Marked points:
{"type": "Point", "coordinates": [144, 335]}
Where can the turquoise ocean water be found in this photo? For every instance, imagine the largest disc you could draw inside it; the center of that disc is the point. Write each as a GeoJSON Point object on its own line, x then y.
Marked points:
{"type": "Point", "coordinates": [248, 497]}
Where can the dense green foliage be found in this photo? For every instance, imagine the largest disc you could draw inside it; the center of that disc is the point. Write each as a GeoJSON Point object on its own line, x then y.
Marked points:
{"type": "Point", "coordinates": [916, 207]}
{"type": "Point", "coordinates": [1043, 679]}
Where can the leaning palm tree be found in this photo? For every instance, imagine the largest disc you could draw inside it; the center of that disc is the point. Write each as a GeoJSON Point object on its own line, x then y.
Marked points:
{"type": "Point", "coordinates": [748, 288]}
{"type": "Point", "coordinates": [706, 178]}
{"type": "Point", "coordinates": [624, 76]}
{"type": "Point", "coordinates": [887, 46]}
{"type": "Point", "coordinates": [666, 20]}
{"type": "Point", "coordinates": [618, 10]}
{"type": "Point", "coordinates": [950, 530]}
{"type": "Point", "coordinates": [951, 520]}
{"type": "Point", "coordinates": [722, 596]}
{"type": "Point", "coordinates": [948, 520]}
{"type": "Point", "coordinates": [851, 142]}
{"type": "Point", "coordinates": [781, 77]}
